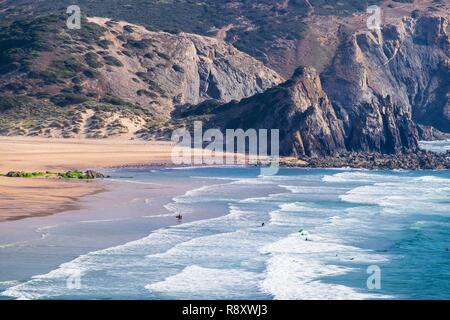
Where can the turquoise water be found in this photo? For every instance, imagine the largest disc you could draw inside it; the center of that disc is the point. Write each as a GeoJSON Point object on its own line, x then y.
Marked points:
{"type": "Point", "coordinates": [396, 220]}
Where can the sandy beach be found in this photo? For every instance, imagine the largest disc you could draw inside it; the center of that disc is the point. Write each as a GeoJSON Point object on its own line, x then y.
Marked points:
{"type": "Point", "coordinates": [21, 198]}
{"type": "Point", "coordinates": [33, 154]}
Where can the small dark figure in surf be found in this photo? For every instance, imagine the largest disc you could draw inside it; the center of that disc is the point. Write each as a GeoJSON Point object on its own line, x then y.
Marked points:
{"type": "Point", "coordinates": [263, 224]}
{"type": "Point", "coordinates": [179, 217]}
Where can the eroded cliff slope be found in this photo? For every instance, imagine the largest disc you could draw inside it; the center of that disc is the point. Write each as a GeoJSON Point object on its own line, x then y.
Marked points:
{"type": "Point", "coordinates": [113, 78]}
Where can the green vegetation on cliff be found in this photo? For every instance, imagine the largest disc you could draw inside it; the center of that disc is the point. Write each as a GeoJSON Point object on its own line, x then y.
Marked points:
{"type": "Point", "coordinates": [256, 24]}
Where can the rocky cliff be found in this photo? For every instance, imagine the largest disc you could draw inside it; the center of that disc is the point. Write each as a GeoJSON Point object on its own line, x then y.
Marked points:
{"type": "Point", "coordinates": [59, 82]}
{"type": "Point", "coordinates": [161, 70]}
{"type": "Point", "coordinates": [116, 79]}
{"type": "Point", "coordinates": [382, 82]}
{"type": "Point", "coordinates": [299, 108]}
{"type": "Point", "coordinates": [377, 88]}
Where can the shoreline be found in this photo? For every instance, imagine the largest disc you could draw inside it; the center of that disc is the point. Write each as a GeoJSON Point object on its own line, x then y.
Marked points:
{"type": "Point", "coordinates": [122, 204]}
{"type": "Point", "coordinates": [22, 198]}
{"type": "Point", "coordinates": [418, 160]}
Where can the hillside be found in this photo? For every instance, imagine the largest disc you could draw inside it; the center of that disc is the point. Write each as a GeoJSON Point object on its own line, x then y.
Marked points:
{"type": "Point", "coordinates": [269, 30]}
{"type": "Point", "coordinates": [353, 90]}
{"type": "Point", "coordinates": [377, 89]}
{"type": "Point", "coordinates": [112, 77]}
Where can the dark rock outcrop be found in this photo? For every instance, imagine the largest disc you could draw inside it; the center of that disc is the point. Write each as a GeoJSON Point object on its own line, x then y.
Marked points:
{"type": "Point", "coordinates": [419, 159]}
{"type": "Point", "coordinates": [381, 83]}
{"type": "Point", "coordinates": [428, 133]}
{"type": "Point", "coordinates": [299, 108]}
{"type": "Point", "coordinates": [375, 90]}
{"type": "Point", "coordinates": [90, 174]}
{"type": "Point", "coordinates": [379, 86]}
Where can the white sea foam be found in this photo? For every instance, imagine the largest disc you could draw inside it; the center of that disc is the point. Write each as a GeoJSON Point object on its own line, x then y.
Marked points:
{"type": "Point", "coordinates": [440, 146]}
{"type": "Point", "coordinates": [9, 283]}
{"type": "Point", "coordinates": [195, 281]}
{"type": "Point", "coordinates": [37, 287]}
{"type": "Point", "coordinates": [15, 244]}
{"type": "Point", "coordinates": [409, 194]}
{"type": "Point", "coordinates": [432, 179]}
{"type": "Point", "coordinates": [204, 193]}
{"type": "Point", "coordinates": [311, 189]}
{"type": "Point", "coordinates": [296, 219]}
{"type": "Point", "coordinates": [291, 277]}
{"type": "Point", "coordinates": [236, 248]}
{"type": "Point", "coordinates": [122, 257]}
{"type": "Point", "coordinates": [159, 215]}
{"type": "Point", "coordinates": [294, 207]}
{"type": "Point", "coordinates": [223, 257]}
{"type": "Point", "coordinates": [250, 181]}
{"type": "Point", "coordinates": [359, 177]}
{"type": "Point", "coordinates": [45, 228]}
{"type": "Point", "coordinates": [349, 177]}
{"type": "Point", "coordinates": [297, 266]}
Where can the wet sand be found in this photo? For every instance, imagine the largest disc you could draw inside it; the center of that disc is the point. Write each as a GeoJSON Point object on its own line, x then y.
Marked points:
{"type": "Point", "coordinates": [22, 198]}
{"type": "Point", "coordinates": [125, 212]}
{"type": "Point", "coordinates": [30, 197]}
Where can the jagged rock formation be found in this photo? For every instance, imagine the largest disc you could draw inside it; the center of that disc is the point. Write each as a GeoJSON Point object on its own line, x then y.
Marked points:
{"type": "Point", "coordinates": [428, 133]}
{"type": "Point", "coordinates": [162, 70]}
{"type": "Point", "coordinates": [377, 88]}
{"type": "Point", "coordinates": [115, 77]}
{"type": "Point", "coordinates": [380, 83]}
{"type": "Point", "coordinates": [299, 108]}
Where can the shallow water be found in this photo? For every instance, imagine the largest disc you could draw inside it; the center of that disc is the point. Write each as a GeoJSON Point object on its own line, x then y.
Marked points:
{"type": "Point", "coordinates": [349, 220]}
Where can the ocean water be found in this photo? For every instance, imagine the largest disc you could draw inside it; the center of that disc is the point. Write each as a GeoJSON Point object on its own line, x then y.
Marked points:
{"type": "Point", "coordinates": [302, 234]}
{"type": "Point", "coordinates": [439, 146]}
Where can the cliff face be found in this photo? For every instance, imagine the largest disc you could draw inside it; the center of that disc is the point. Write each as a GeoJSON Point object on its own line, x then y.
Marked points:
{"type": "Point", "coordinates": [381, 83]}
{"type": "Point", "coordinates": [268, 29]}
{"type": "Point", "coordinates": [153, 69]}
{"type": "Point", "coordinates": [162, 69]}
{"type": "Point", "coordinates": [111, 78]}
{"type": "Point", "coordinates": [299, 108]}
{"type": "Point", "coordinates": [376, 90]}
